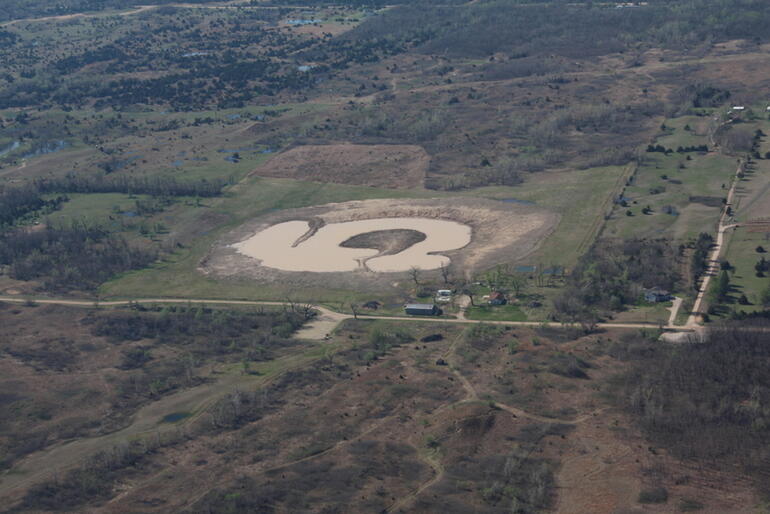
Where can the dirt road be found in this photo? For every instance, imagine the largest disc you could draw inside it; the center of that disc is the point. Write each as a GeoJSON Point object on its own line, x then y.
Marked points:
{"type": "Point", "coordinates": [329, 318]}
{"type": "Point", "coordinates": [716, 251]}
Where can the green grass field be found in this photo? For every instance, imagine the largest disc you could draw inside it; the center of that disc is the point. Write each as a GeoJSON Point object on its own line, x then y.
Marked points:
{"type": "Point", "coordinates": [178, 276]}
{"type": "Point", "coordinates": [579, 196]}
{"type": "Point", "coordinates": [496, 313]}
{"type": "Point", "coordinates": [741, 253]}
{"type": "Point", "coordinates": [683, 195]}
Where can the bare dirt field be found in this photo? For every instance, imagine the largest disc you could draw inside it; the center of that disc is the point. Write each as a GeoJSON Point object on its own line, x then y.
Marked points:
{"type": "Point", "coordinates": [500, 232]}
{"type": "Point", "coordinates": [397, 166]}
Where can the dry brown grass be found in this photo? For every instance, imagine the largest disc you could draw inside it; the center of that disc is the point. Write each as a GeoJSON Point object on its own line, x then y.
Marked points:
{"type": "Point", "coordinates": [395, 166]}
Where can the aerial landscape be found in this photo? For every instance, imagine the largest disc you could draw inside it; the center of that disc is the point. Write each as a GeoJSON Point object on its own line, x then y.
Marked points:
{"type": "Point", "coordinates": [387, 256]}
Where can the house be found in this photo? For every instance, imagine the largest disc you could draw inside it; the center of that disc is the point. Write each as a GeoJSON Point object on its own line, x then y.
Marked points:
{"type": "Point", "coordinates": [444, 296]}
{"type": "Point", "coordinates": [656, 295]}
{"type": "Point", "coordinates": [497, 298]}
{"type": "Point", "coordinates": [422, 309]}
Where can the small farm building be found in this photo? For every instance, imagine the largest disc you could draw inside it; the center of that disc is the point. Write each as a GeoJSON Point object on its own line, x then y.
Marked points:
{"type": "Point", "coordinates": [656, 295]}
{"type": "Point", "coordinates": [497, 298]}
{"type": "Point", "coordinates": [422, 309]}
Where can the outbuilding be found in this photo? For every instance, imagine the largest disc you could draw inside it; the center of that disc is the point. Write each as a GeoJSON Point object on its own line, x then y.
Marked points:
{"type": "Point", "coordinates": [497, 298]}
{"type": "Point", "coordinates": [422, 309]}
{"type": "Point", "coordinates": [657, 295]}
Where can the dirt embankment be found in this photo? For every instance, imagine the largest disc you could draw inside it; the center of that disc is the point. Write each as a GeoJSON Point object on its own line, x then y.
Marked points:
{"type": "Point", "coordinates": [387, 242]}
{"type": "Point", "coordinates": [393, 166]}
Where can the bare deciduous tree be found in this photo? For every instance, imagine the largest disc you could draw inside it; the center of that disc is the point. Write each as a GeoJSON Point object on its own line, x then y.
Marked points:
{"type": "Point", "coordinates": [414, 273]}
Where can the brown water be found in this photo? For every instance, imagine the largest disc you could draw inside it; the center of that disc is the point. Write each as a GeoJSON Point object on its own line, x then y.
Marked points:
{"type": "Point", "coordinates": [322, 252]}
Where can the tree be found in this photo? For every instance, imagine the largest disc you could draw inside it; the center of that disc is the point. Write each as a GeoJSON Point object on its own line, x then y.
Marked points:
{"type": "Point", "coordinates": [467, 291]}
{"type": "Point", "coordinates": [723, 286]}
{"type": "Point", "coordinates": [414, 273]}
{"type": "Point", "coordinates": [517, 283]}
{"type": "Point", "coordinates": [764, 298]}
{"type": "Point", "coordinates": [761, 266]}
{"type": "Point", "coordinates": [446, 273]}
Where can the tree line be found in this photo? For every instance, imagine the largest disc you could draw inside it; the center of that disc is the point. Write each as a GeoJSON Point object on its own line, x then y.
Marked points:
{"type": "Point", "coordinates": [146, 185]}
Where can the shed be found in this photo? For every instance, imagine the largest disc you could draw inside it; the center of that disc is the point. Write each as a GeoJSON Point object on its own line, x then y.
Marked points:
{"type": "Point", "coordinates": [497, 298]}
{"type": "Point", "coordinates": [656, 295]}
{"type": "Point", "coordinates": [422, 309]}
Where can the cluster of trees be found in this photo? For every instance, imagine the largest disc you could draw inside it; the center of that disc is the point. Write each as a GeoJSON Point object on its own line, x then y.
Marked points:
{"type": "Point", "coordinates": [566, 29]}
{"type": "Point", "coordinates": [202, 330]}
{"type": "Point", "coordinates": [612, 275]}
{"type": "Point", "coordinates": [78, 257]}
{"type": "Point", "coordinates": [736, 139]}
{"type": "Point", "coordinates": [17, 203]}
{"type": "Point", "coordinates": [756, 143]}
{"type": "Point", "coordinates": [244, 61]}
{"type": "Point", "coordinates": [699, 263]}
{"type": "Point", "coordinates": [159, 186]}
{"type": "Point", "coordinates": [19, 9]}
{"type": "Point", "coordinates": [719, 289]}
{"type": "Point", "coordinates": [709, 401]}
{"type": "Point", "coordinates": [679, 149]}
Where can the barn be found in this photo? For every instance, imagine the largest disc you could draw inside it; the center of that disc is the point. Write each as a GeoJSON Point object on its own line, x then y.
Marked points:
{"type": "Point", "coordinates": [422, 309]}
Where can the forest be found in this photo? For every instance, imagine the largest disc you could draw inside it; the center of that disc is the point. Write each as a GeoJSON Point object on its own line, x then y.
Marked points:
{"type": "Point", "coordinates": [708, 402]}
{"type": "Point", "coordinates": [18, 9]}
{"type": "Point", "coordinates": [480, 30]}
{"type": "Point", "coordinates": [79, 257]}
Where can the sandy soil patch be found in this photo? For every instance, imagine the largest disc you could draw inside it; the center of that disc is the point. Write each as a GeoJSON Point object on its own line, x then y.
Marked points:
{"type": "Point", "coordinates": [396, 166]}
{"type": "Point", "coordinates": [499, 232]}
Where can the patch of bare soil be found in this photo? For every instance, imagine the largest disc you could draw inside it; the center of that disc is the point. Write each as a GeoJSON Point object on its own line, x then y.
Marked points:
{"type": "Point", "coordinates": [501, 232]}
{"type": "Point", "coordinates": [395, 166]}
{"type": "Point", "coordinates": [387, 242]}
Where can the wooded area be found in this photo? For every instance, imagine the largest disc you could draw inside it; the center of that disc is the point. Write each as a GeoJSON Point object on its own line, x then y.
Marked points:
{"type": "Point", "coordinates": [709, 401]}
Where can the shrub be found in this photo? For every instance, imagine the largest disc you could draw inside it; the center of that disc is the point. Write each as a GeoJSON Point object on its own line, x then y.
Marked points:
{"type": "Point", "coordinates": [653, 495]}
{"type": "Point", "coordinates": [688, 505]}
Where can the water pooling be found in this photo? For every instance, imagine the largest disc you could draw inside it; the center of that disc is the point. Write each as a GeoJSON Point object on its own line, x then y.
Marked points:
{"type": "Point", "coordinates": [277, 246]}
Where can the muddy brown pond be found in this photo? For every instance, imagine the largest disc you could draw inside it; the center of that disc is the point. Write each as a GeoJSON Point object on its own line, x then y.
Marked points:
{"type": "Point", "coordinates": [277, 247]}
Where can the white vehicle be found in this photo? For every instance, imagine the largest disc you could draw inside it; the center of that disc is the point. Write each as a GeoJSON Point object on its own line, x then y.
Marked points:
{"type": "Point", "coordinates": [443, 296]}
